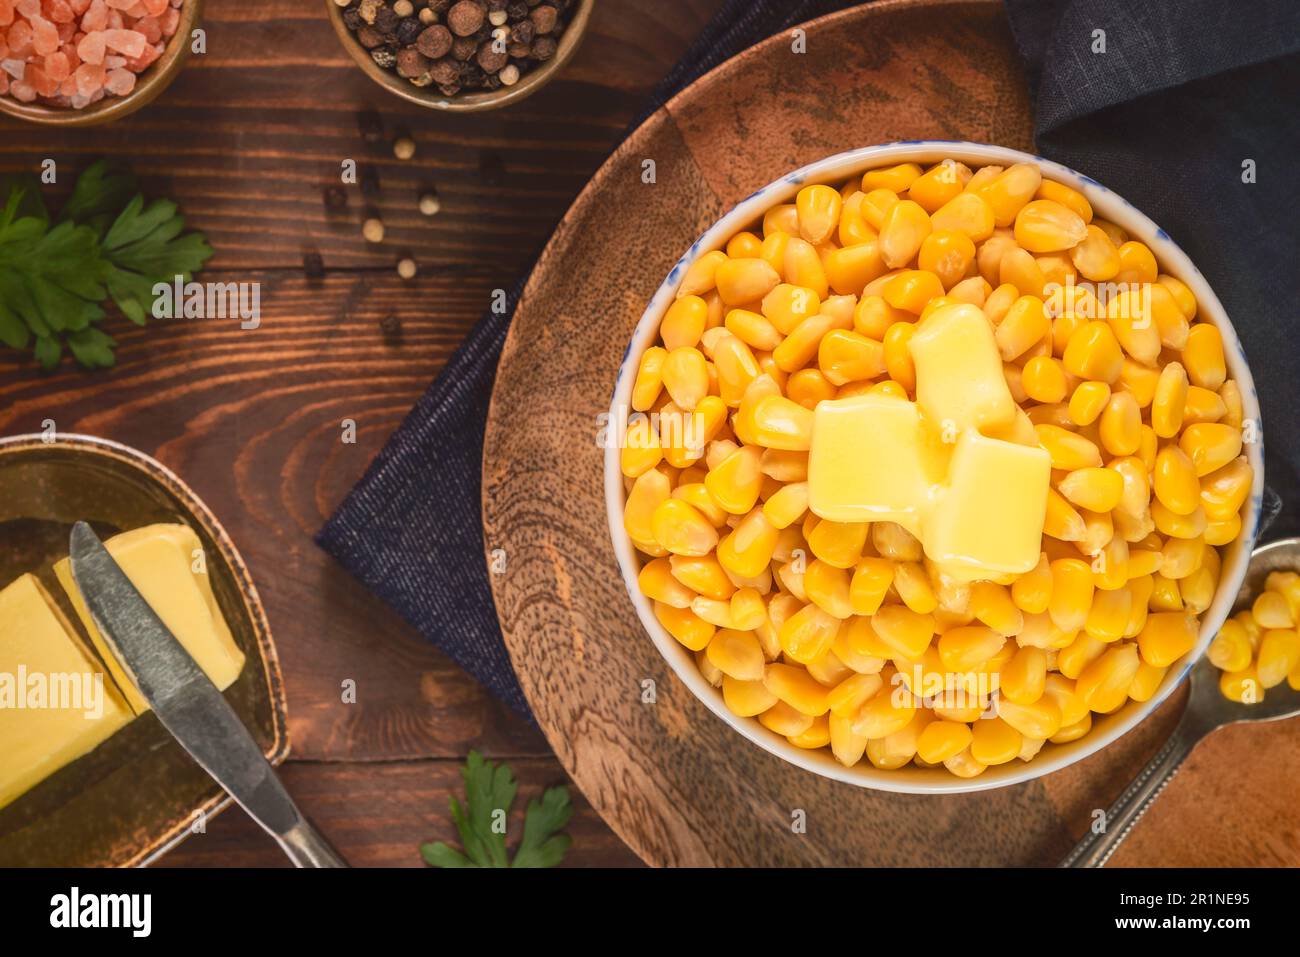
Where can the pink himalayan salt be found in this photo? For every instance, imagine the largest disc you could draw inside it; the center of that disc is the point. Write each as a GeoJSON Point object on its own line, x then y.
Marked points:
{"type": "Point", "coordinates": [45, 36]}
{"type": "Point", "coordinates": [95, 17]}
{"type": "Point", "coordinates": [91, 48]}
{"type": "Point", "coordinates": [57, 67]}
{"type": "Point", "coordinates": [57, 11]}
{"type": "Point", "coordinates": [4, 83]}
{"type": "Point", "coordinates": [20, 38]}
{"type": "Point", "coordinates": [125, 41]}
{"type": "Point", "coordinates": [21, 92]}
{"type": "Point", "coordinates": [119, 82]}
{"type": "Point", "coordinates": [43, 42]}
{"type": "Point", "coordinates": [90, 77]}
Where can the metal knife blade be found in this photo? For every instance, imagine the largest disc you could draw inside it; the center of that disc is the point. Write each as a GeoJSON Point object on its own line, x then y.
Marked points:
{"type": "Point", "coordinates": [187, 702]}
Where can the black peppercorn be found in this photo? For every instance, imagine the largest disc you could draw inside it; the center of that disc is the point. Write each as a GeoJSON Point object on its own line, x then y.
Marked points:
{"type": "Point", "coordinates": [544, 18]}
{"type": "Point", "coordinates": [369, 37]}
{"type": "Point", "coordinates": [386, 20]}
{"type": "Point", "coordinates": [312, 264]}
{"type": "Point", "coordinates": [451, 89]}
{"type": "Point", "coordinates": [391, 327]}
{"type": "Point", "coordinates": [523, 32]}
{"type": "Point", "coordinates": [517, 9]}
{"type": "Point", "coordinates": [368, 180]}
{"type": "Point", "coordinates": [334, 197]}
{"type": "Point", "coordinates": [439, 7]}
{"type": "Point", "coordinates": [543, 48]}
{"type": "Point", "coordinates": [445, 72]}
{"type": "Point", "coordinates": [352, 19]}
{"type": "Point", "coordinates": [464, 48]}
{"type": "Point", "coordinates": [408, 30]}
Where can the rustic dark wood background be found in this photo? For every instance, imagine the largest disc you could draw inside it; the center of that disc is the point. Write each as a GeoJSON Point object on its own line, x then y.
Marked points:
{"type": "Point", "coordinates": [246, 141]}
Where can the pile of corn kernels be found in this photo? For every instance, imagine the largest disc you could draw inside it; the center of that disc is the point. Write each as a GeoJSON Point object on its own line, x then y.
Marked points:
{"type": "Point", "coordinates": [1258, 648]}
{"type": "Point", "coordinates": [72, 53]}
{"type": "Point", "coordinates": [814, 627]}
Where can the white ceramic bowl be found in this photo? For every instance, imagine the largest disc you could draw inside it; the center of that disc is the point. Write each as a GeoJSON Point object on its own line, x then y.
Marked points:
{"type": "Point", "coordinates": [835, 170]}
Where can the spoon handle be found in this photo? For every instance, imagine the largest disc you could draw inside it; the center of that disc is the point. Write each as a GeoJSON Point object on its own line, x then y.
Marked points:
{"type": "Point", "coordinates": [1096, 848]}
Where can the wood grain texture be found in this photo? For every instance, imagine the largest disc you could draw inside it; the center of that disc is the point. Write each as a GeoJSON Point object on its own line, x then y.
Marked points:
{"type": "Point", "coordinates": [671, 778]}
{"type": "Point", "coordinates": [406, 806]}
{"type": "Point", "coordinates": [246, 140]}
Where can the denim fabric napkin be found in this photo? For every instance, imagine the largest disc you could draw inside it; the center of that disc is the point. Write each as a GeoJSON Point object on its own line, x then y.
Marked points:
{"type": "Point", "coordinates": [1185, 92]}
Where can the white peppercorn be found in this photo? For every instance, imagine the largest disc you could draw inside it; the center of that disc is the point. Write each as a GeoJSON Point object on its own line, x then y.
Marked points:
{"type": "Point", "coordinates": [430, 204]}
{"type": "Point", "coordinates": [404, 148]}
{"type": "Point", "coordinates": [406, 268]}
{"type": "Point", "coordinates": [373, 230]}
{"type": "Point", "coordinates": [509, 75]}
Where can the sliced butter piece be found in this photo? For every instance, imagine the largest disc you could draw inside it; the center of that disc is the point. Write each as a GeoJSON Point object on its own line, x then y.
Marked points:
{"type": "Point", "coordinates": [988, 520]}
{"type": "Point", "coordinates": [39, 646]}
{"type": "Point", "coordinates": [867, 461]}
{"type": "Point", "coordinates": [161, 560]}
{"type": "Point", "coordinates": [959, 378]}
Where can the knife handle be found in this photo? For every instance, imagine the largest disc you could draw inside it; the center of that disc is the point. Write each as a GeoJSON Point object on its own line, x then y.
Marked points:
{"type": "Point", "coordinates": [307, 847]}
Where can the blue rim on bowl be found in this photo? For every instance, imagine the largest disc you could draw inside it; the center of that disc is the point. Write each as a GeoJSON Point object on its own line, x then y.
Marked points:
{"type": "Point", "coordinates": [1108, 205]}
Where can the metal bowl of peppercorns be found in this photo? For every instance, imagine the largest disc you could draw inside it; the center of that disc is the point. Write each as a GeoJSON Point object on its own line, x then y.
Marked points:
{"type": "Point", "coordinates": [461, 55]}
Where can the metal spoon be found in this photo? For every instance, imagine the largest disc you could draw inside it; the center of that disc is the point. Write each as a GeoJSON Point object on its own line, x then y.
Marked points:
{"type": "Point", "coordinates": [1207, 710]}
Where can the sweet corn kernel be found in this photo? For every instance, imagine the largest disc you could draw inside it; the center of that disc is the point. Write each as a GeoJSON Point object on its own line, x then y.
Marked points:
{"type": "Point", "coordinates": [1095, 488]}
{"type": "Point", "coordinates": [890, 710]}
{"type": "Point", "coordinates": [684, 625]}
{"type": "Point", "coordinates": [748, 549]}
{"type": "Point", "coordinates": [941, 740]}
{"type": "Point", "coordinates": [818, 209]}
{"type": "Point", "coordinates": [1279, 653]}
{"type": "Point", "coordinates": [1271, 610]}
{"type": "Point", "coordinates": [893, 178]}
{"type": "Point", "coordinates": [1203, 356]}
{"type": "Point", "coordinates": [1044, 226]}
{"type": "Point", "coordinates": [993, 741]}
{"type": "Point", "coordinates": [1103, 684]}
{"type": "Point", "coordinates": [902, 230]}
{"type": "Point", "coordinates": [1167, 637]}
{"type": "Point", "coordinates": [904, 631]}
{"type": "Point", "coordinates": [1176, 481]}
{"type": "Point", "coordinates": [1242, 686]}
{"type": "Point", "coordinates": [1210, 446]}
{"type": "Point", "coordinates": [742, 281]}
{"type": "Point", "coordinates": [968, 647]}
{"type": "Point", "coordinates": [1094, 353]}
{"type": "Point", "coordinates": [1170, 401]}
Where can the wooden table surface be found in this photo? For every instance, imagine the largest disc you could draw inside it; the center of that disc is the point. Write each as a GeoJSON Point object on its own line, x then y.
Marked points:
{"type": "Point", "coordinates": [246, 141]}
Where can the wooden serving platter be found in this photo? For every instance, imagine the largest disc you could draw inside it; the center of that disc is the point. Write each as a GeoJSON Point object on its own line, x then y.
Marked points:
{"type": "Point", "coordinates": [675, 782]}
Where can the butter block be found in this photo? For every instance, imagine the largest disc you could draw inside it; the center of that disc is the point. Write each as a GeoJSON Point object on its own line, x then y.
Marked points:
{"type": "Point", "coordinates": [959, 379]}
{"type": "Point", "coordinates": [867, 461]}
{"type": "Point", "coordinates": [162, 563]}
{"type": "Point", "coordinates": [53, 709]}
{"type": "Point", "coordinates": [988, 520]}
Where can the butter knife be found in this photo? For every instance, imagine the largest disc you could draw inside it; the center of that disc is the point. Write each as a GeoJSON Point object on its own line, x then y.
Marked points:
{"type": "Point", "coordinates": [187, 702]}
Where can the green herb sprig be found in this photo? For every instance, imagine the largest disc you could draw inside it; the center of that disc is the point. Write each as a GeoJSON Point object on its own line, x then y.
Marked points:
{"type": "Point", "coordinates": [489, 793]}
{"type": "Point", "coordinates": [107, 242]}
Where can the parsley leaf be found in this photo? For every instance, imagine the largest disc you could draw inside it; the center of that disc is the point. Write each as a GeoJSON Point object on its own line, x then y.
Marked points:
{"type": "Point", "coordinates": [542, 846]}
{"type": "Point", "coordinates": [490, 791]}
{"type": "Point", "coordinates": [106, 242]}
{"type": "Point", "coordinates": [144, 247]}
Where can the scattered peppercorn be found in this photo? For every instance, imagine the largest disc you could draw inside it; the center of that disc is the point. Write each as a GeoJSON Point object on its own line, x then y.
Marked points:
{"type": "Point", "coordinates": [404, 148]}
{"type": "Point", "coordinates": [458, 45]}
{"type": "Point", "coordinates": [430, 204]}
{"type": "Point", "coordinates": [391, 327]}
{"type": "Point", "coordinates": [334, 197]}
{"type": "Point", "coordinates": [371, 126]}
{"type": "Point", "coordinates": [406, 268]}
{"type": "Point", "coordinates": [373, 230]}
{"type": "Point", "coordinates": [312, 264]}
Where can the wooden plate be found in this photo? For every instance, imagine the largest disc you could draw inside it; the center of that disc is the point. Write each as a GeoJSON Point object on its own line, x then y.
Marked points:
{"type": "Point", "coordinates": [675, 782]}
{"type": "Point", "coordinates": [138, 793]}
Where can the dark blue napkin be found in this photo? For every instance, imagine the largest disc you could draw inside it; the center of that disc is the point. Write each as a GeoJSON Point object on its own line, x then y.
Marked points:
{"type": "Point", "coordinates": [1185, 92]}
